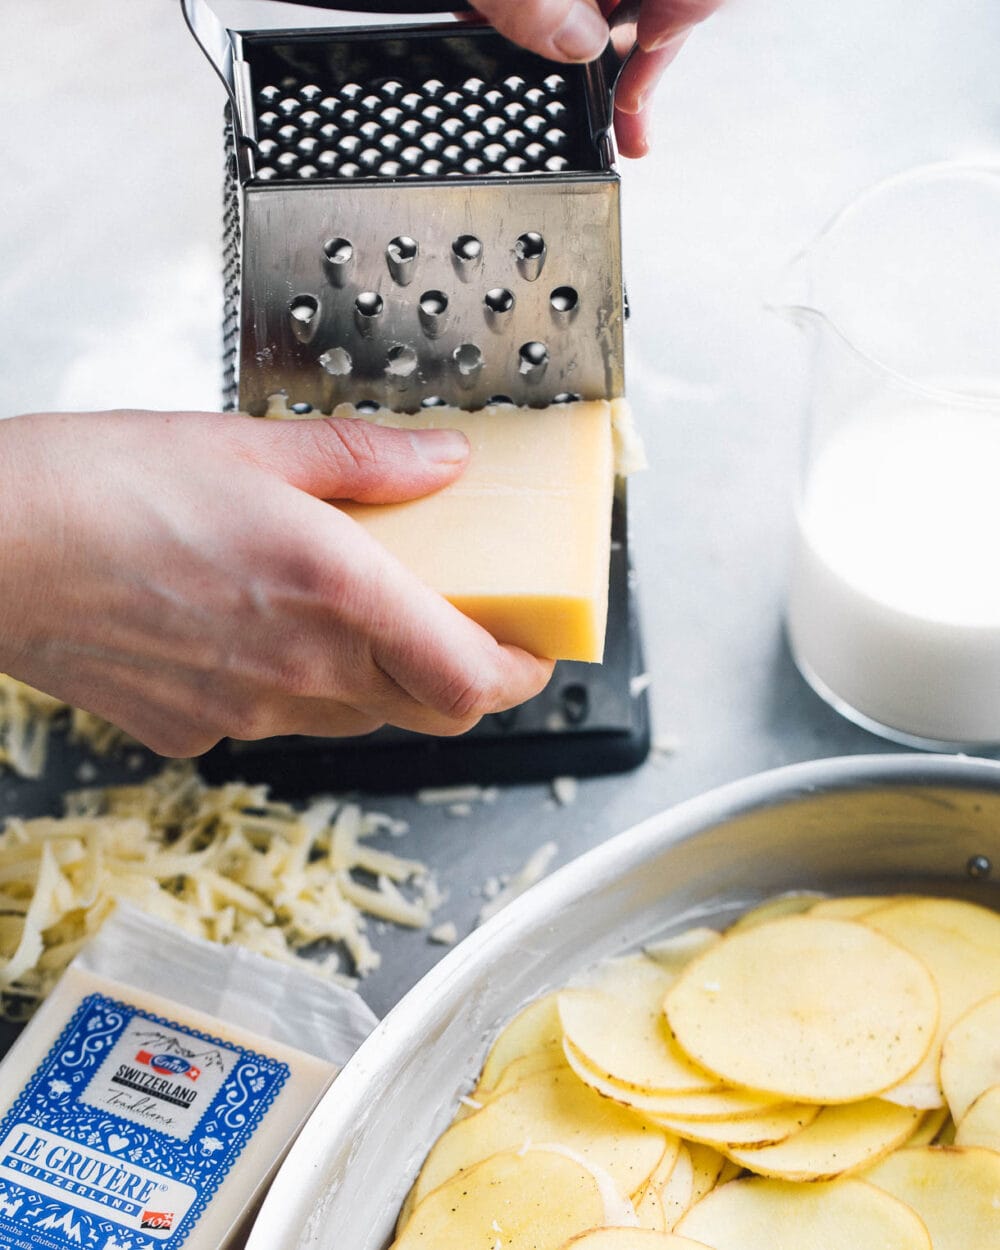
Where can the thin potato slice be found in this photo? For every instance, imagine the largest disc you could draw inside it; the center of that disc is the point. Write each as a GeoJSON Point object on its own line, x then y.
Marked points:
{"type": "Point", "coordinates": [676, 952]}
{"type": "Point", "coordinates": [766, 1129]}
{"type": "Point", "coordinates": [535, 1200]}
{"type": "Point", "coordinates": [841, 1139]}
{"type": "Point", "coordinates": [758, 1214]}
{"type": "Point", "coordinates": [678, 1193]}
{"type": "Point", "coordinates": [929, 1128]}
{"type": "Point", "coordinates": [519, 1070]}
{"type": "Point", "coordinates": [959, 943]}
{"type": "Point", "coordinates": [813, 1010]}
{"type": "Point", "coordinates": [649, 1210]}
{"type": "Point", "coordinates": [718, 1104]}
{"type": "Point", "coordinates": [707, 1164]}
{"type": "Point", "coordinates": [849, 906]}
{"type": "Point", "coordinates": [956, 1192]}
{"type": "Point", "coordinates": [552, 1108]}
{"type": "Point", "coordinates": [970, 1056]}
{"type": "Point", "coordinates": [980, 1126]}
{"type": "Point", "coordinates": [536, 1027]}
{"type": "Point", "coordinates": [631, 1239]}
{"type": "Point", "coordinates": [772, 908]}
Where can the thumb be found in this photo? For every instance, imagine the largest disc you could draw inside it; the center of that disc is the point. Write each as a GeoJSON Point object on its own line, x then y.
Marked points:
{"type": "Point", "coordinates": [350, 458]}
{"type": "Point", "coordinates": [563, 30]}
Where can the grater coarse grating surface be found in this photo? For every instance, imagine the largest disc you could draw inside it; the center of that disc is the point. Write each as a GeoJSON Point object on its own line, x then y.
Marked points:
{"type": "Point", "coordinates": [415, 216]}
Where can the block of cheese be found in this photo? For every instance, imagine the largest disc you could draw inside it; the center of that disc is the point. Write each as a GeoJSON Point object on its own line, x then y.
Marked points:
{"type": "Point", "coordinates": [132, 1119]}
{"type": "Point", "coordinates": [521, 542]}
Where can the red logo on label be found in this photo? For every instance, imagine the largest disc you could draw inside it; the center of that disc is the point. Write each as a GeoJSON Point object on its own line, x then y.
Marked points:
{"type": "Point", "coordinates": [157, 1219]}
{"type": "Point", "coordinates": [168, 1065]}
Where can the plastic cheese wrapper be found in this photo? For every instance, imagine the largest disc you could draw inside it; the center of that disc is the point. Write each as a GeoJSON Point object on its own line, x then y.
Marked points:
{"type": "Point", "coordinates": [149, 1101]}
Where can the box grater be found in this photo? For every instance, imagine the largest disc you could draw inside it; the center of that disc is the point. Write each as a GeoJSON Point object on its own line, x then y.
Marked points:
{"type": "Point", "coordinates": [419, 215]}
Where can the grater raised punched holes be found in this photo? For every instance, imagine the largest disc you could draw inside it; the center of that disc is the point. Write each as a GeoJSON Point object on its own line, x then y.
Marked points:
{"type": "Point", "coordinates": [419, 215]}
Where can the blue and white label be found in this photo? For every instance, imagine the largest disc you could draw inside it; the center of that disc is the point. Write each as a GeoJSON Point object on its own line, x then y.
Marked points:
{"type": "Point", "coordinates": [125, 1131]}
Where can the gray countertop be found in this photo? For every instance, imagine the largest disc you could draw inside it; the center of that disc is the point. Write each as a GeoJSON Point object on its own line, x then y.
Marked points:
{"type": "Point", "coordinates": [776, 113]}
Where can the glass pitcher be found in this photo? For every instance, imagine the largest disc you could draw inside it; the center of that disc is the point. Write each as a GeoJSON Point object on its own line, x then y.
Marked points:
{"type": "Point", "coordinates": [894, 597]}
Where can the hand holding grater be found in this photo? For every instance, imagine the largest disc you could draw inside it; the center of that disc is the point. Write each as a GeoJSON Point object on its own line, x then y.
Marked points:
{"type": "Point", "coordinates": [420, 215]}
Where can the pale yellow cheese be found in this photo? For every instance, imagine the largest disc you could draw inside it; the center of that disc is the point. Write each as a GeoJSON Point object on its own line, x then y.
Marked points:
{"type": "Point", "coordinates": [521, 542]}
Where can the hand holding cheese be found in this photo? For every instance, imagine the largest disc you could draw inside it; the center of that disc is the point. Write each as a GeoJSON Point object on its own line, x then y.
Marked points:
{"type": "Point", "coordinates": [180, 575]}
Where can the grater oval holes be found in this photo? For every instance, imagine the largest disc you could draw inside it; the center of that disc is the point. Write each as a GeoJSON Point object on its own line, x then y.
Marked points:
{"type": "Point", "coordinates": [266, 174]}
{"type": "Point", "coordinates": [390, 169]}
{"type": "Point", "coordinates": [556, 164]}
{"type": "Point", "coordinates": [979, 866]}
{"type": "Point", "coordinates": [433, 401]}
{"type": "Point", "coordinates": [515, 84]}
{"type": "Point", "coordinates": [515, 165]}
{"type": "Point", "coordinates": [338, 255]}
{"type": "Point", "coordinates": [268, 120]}
{"type": "Point", "coordinates": [302, 409]}
{"type": "Point", "coordinates": [473, 86]}
{"type": "Point", "coordinates": [433, 87]}
{"type": "Point", "coordinates": [288, 107]}
{"type": "Point", "coordinates": [392, 89]}
{"type": "Point", "coordinates": [514, 110]}
{"type": "Point", "coordinates": [554, 84]}
{"type": "Point", "coordinates": [473, 112]}
{"type": "Point", "coordinates": [498, 401]}
{"type": "Point", "coordinates": [308, 171]}
{"type": "Point", "coordinates": [351, 91]}
{"type": "Point", "coordinates": [269, 94]}
{"type": "Point", "coordinates": [468, 360]}
{"type": "Point", "coordinates": [433, 312]}
{"type": "Point", "coordinates": [369, 304]}
{"type": "Point", "coordinates": [267, 148]}
{"type": "Point", "coordinates": [349, 170]}
{"type": "Point", "coordinates": [431, 141]}
{"type": "Point", "coordinates": [494, 125]}
{"type": "Point", "coordinates": [401, 363]}
{"type": "Point", "coordinates": [367, 407]}
{"type": "Point", "coordinates": [303, 316]}
{"type": "Point", "coordinates": [367, 310]}
{"type": "Point", "coordinates": [370, 102]}
{"type": "Point", "coordinates": [310, 92]}
{"type": "Point", "coordinates": [533, 361]}
{"type": "Point", "coordinates": [287, 162]}
{"type": "Point", "coordinates": [494, 153]}
{"type": "Point", "coordinates": [310, 119]}
{"type": "Point", "coordinates": [288, 133]}
{"type": "Point", "coordinates": [565, 299]}
{"type": "Point", "coordinates": [337, 362]}
{"type": "Point", "coordinates": [530, 252]}
{"type": "Point", "coordinates": [401, 256]}
{"type": "Point", "coordinates": [432, 168]}
{"type": "Point", "coordinates": [499, 303]}
{"type": "Point", "coordinates": [473, 165]}
{"type": "Point", "coordinates": [328, 105]}
{"type": "Point", "coordinates": [307, 145]}
{"type": "Point", "coordinates": [566, 397]}
{"type": "Point", "coordinates": [467, 247]}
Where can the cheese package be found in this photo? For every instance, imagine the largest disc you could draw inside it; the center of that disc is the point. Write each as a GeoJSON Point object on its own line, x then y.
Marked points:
{"type": "Point", "coordinates": [152, 1096]}
{"type": "Point", "coordinates": [521, 541]}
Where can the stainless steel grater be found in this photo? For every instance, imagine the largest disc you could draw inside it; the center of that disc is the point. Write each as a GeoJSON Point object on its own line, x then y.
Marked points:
{"type": "Point", "coordinates": [419, 215]}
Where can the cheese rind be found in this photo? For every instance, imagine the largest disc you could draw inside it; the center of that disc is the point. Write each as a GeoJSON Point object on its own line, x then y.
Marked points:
{"type": "Point", "coordinates": [521, 542]}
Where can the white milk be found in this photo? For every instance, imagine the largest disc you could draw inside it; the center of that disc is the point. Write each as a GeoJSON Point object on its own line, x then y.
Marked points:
{"type": "Point", "coordinates": [894, 607]}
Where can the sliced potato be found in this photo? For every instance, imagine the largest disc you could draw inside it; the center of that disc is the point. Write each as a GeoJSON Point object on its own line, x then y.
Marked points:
{"type": "Point", "coordinates": [534, 1028]}
{"type": "Point", "coordinates": [956, 1192]}
{"type": "Point", "coordinates": [678, 1193]}
{"type": "Point", "coordinates": [706, 1164]}
{"type": "Point", "coordinates": [631, 1239]}
{"type": "Point", "coordinates": [771, 1126]}
{"type": "Point", "coordinates": [959, 943]}
{"type": "Point", "coordinates": [814, 1010]}
{"type": "Point", "coordinates": [519, 1070]}
{"type": "Point", "coordinates": [627, 1039]}
{"type": "Point", "coordinates": [849, 906]}
{"type": "Point", "coordinates": [677, 951]}
{"type": "Point", "coordinates": [718, 1104]}
{"type": "Point", "coordinates": [841, 1139]}
{"type": "Point", "coordinates": [535, 1200]}
{"type": "Point", "coordinates": [649, 1209]}
{"type": "Point", "coordinates": [771, 908]}
{"type": "Point", "coordinates": [552, 1108]}
{"type": "Point", "coordinates": [758, 1214]}
{"type": "Point", "coordinates": [929, 1128]}
{"type": "Point", "coordinates": [980, 1126]}
{"type": "Point", "coordinates": [970, 1055]}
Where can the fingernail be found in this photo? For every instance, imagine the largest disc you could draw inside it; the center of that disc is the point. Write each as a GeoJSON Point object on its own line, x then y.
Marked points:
{"type": "Point", "coordinates": [441, 446]}
{"type": "Point", "coordinates": [583, 34]}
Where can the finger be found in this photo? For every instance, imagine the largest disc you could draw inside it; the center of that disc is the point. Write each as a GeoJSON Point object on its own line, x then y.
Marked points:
{"type": "Point", "coordinates": [349, 458]}
{"type": "Point", "coordinates": [633, 132]}
{"type": "Point", "coordinates": [661, 21]}
{"type": "Point", "coordinates": [562, 30]}
{"type": "Point", "coordinates": [314, 718]}
{"type": "Point", "coordinates": [640, 76]}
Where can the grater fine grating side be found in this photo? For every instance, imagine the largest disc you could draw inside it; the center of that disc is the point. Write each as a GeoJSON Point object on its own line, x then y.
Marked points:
{"type": "Point", "coordinates": [423, 215]}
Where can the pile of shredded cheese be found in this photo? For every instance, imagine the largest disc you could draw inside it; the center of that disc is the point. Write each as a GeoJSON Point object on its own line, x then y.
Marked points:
{"type": "Point", "coordinates": [225, 863]}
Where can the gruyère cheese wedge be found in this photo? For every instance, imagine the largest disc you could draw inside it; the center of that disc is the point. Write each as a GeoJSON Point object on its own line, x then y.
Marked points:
{"type": "Point", "coordinates": [521, 542]}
